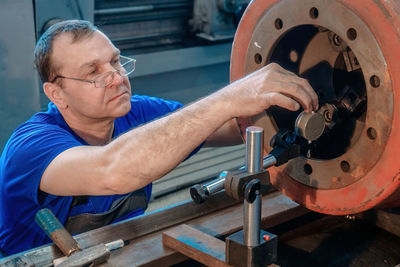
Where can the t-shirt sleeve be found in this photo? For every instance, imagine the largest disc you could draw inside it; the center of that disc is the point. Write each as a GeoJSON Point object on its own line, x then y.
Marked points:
{"type": "Point", "coordinates": [29, 152]}
{"type": "Point", "coordinates": [148, 108]}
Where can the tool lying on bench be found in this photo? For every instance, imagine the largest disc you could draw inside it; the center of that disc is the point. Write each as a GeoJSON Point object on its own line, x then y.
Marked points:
{"type": "Point", "coordinates": [74, 255]}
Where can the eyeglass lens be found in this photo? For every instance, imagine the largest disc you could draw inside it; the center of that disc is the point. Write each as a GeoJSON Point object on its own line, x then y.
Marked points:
{"type": "Point", "coordinates": [125, 68]}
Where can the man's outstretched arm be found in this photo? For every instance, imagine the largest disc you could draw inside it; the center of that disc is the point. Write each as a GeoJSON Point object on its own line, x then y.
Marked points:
{"type": "Point", "coordinates": [146, 153]}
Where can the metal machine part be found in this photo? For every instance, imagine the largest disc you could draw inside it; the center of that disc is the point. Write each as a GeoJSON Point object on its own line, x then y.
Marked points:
{"type": "Point", "coordinates": [143, 26]}
{"type": "Point", "coordinates": [254, 149]}
{"type": "Point", "coordinates": [215, 20]}
{"type": "Point", "coordinates": [348, 51]}
{"type": "Point", "coordinates": [252, 214]}
{"type": "Point", "coordinates": [200, 193]}
{"type": "Point", "coordinates": [310, 125]}
{"type": "Point", "coordinates": [48, 12]}
{"type": "Point", "coordinates": [286, 146]}
{"type": "Point", "coordinates": [248, 247]}
{"type": "Point", "coordinates": [252, 200]}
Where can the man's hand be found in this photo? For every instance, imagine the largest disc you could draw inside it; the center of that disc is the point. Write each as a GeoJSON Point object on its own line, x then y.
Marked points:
{"type": "Point", "coordinates": [268, 86]}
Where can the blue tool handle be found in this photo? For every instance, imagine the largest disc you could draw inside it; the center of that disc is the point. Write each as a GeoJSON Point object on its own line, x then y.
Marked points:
{"type": "Point", "coordinates": [56, 231]}
{"type": "Point", "coordinates": [47, 221]}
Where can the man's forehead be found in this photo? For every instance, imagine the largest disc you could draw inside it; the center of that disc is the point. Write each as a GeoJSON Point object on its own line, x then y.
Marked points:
{"type": "Point", "coordinates": [90, 62]}
{"type": "Point", "coordinates": [92, 43]}
{"type": "Point", "coordinates": [91, 48]}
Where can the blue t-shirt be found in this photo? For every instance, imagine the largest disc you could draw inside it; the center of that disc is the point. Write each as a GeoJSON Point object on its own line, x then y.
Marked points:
{"type": "Point", "coordinates": [27, 154]}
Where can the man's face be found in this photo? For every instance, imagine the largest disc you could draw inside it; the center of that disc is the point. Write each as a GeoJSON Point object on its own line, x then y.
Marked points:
{"type": "Point", "coordinates": [85, 59]}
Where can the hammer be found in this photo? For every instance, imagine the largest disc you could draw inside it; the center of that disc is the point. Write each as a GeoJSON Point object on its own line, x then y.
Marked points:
{"type": "Point", "coordinates": [75, 256]}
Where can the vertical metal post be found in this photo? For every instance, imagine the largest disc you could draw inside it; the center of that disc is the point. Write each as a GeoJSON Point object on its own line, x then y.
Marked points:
{"type": "Point", "coordinates": [254, 163]}
{"type": "Point", "coordinates": [254, 148]}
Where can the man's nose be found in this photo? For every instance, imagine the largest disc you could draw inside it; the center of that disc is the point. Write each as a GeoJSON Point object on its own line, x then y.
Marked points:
{"type": "Point", "coordinates": [117, 79]}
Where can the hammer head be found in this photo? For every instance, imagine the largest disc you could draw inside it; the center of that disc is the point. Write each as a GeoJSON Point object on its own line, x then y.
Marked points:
{"type": "Point", "coordinates": [88, 257]}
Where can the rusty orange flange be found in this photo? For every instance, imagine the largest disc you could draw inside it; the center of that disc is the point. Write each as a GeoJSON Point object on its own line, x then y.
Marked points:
{"type": "Point", "coordinates": [380, 187]}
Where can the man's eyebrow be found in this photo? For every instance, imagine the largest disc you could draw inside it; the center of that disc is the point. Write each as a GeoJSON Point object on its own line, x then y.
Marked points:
{"type": "Point", "coordinates": [94, 62]}
{"type": "Point", "coordinates": [88, 64]}
{"type": "Point", "coordinates": [117, 53]}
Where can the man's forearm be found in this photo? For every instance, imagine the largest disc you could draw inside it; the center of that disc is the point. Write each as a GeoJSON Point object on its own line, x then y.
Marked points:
{"type": "Point", "coordinates": [152, 150]}
{"type": "Point", "coordinates": [226, 135]}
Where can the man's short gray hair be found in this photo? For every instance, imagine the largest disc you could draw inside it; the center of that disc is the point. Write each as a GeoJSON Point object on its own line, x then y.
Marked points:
{"type": "Point", "coordinates": [79, 29]}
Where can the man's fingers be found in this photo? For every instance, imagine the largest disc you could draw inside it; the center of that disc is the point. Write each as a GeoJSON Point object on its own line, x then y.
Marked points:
{"type": "Point", "coordinates": [301, 91]}
{"type": "Point", "coordinates": [283, 101]}
{"type": "Point", "coordinates": [314, 97]}
{"type": "Point", "coordinates": [298, 93]}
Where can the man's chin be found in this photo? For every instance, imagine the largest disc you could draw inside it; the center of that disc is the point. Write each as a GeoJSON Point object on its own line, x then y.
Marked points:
{"type": "Point", "coordinates": [124, 108]}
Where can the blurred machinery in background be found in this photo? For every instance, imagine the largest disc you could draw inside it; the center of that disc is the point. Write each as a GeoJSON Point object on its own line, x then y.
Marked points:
{"type": "Point", "coordinates": [177, 43]}
{"type": "Point", "coordinates": [217, 20]}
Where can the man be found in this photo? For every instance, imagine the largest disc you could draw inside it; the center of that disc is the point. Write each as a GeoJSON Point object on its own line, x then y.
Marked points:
{"type": "Point", "coordinates": [81, 160]}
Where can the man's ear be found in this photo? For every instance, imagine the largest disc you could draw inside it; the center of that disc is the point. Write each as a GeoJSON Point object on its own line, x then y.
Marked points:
{"type": "Point", "coordinates": [55, 93]}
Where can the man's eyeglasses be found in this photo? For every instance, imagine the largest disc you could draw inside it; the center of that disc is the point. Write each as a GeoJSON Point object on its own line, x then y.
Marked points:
{"type": "Point", "coordinates": [124, 67]}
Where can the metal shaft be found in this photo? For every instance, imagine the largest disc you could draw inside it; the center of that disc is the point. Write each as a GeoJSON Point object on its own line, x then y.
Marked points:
{"type": "Point", "coordinates": [215, 185]}
{"type": "Point", "coordinates": [200, 193]}
{"type": "Point", "coordinates": [254, 163]}
{"type": "Point", "coordinates": [252, 221]}
{"type": "Point", "coordinates": [269, 161]}
{"type": "Point", "coordinates": [254, 148]}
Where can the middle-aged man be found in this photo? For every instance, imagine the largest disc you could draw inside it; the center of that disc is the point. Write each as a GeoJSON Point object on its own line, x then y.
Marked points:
{"type": "Point", "coordinates": [81, 160]}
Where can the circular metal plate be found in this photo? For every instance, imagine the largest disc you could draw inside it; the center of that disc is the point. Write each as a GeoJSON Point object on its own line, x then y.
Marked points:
{"type": "Point", "coordinates": [365, 175]}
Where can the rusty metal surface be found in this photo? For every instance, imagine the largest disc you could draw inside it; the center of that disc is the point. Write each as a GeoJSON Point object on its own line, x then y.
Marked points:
{"type": "Point", "coordinates": [364, 174]}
